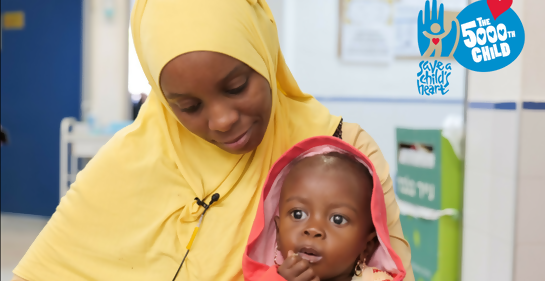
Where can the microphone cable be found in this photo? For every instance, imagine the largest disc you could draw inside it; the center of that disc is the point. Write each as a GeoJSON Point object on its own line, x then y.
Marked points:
{"type": "Point", "coordinates": [215, 198]}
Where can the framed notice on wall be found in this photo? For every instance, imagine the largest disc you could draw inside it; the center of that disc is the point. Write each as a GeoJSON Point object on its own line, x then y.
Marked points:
{"type": "Point", "coordinates": [381, 30]}
{"type": "Point", "coordinates": [405, 22]}
{"type": "Point", "coordinates": [366, 31]}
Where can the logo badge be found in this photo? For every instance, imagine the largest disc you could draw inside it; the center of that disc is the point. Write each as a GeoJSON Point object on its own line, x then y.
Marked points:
{"type": "Point", "coordinates": [492, 36]}
{"type": "Point", "coordinates": [437, 31]}
{"type": "Point", "coordinates": [485, 36]}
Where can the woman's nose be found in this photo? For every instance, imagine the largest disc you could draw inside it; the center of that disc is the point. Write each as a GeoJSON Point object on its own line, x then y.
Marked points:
{"type": "Point", "coordinates": [314, 233]}
{"type": "Point", "coordinates": [222, 117]}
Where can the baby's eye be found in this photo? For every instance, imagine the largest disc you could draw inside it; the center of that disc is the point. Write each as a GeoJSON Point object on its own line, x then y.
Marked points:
{"type": "Point", "coordinates": [298, 215]}
{"type": "Point", "coordinates": [338, 219]}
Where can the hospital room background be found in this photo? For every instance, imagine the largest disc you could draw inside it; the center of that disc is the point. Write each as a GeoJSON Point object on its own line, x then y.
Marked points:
{"type": "Point", "coordinates": [70, 79]}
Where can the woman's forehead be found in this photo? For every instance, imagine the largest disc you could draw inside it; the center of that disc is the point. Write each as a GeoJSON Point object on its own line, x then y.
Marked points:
{"type": "Point", "coordinates": [201, 66]}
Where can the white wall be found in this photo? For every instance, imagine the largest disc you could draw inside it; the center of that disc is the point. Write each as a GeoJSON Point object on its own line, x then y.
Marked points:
{"type": "Point", "coordinates": [311, 49]}
{"type": "Point", "coordinates": [381, 118]}
{"type": "Point", "coordinates": [530, 224]}
{"type": "Point", "coordinates": [378, 97]}
{"type": "Point", "coordinates": [505, 160]}
{"type": "Point", "coordinates": [105, 60]}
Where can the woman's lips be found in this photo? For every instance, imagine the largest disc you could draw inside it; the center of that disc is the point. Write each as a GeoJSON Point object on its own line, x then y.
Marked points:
{"type": "Point", "coordinates": [239, 142]}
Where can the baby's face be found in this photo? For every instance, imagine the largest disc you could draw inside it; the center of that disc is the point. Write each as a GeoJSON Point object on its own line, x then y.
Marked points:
{"type": "Point", "coordinates": [325, 214]}
{"type": "Point", "coordinates": [435, 28]}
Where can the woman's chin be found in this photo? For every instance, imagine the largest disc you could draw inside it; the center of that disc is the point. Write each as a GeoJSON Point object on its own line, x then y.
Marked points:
{"type": "Point", "coordinates": [240, 150]}
{"type": "Point", "coordinates": [236, 152]}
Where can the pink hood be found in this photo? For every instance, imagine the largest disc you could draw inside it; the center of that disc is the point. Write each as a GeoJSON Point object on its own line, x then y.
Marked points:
{"type": "Point", "coordinates": [258, 260]}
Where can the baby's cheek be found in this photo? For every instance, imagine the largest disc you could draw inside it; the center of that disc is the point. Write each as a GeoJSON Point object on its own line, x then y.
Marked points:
{"type": "Point", "coordinates": [348, 248]}
{"type": "Point", "coordinates": [288, 237]}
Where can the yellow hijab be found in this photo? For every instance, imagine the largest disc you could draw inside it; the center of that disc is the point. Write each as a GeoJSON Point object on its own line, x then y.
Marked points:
{"type": "Point", "coordinates": [131, 211]}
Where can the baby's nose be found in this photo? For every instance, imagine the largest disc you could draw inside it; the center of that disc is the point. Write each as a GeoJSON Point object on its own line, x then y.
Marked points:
{"type": "Point", "coordinates": [314, 232]}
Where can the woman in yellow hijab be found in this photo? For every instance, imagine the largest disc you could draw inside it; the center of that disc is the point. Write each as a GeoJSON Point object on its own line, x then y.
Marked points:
{"type": "Point", "coordinates": [223, 107]}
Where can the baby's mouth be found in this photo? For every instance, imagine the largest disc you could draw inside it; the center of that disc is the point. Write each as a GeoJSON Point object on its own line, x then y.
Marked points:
{"type": "Point", "coordinates": [310, 255]}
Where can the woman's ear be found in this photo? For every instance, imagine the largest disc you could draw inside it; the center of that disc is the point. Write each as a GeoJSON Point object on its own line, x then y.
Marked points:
{"type": "Point", "coordinates": [370, 247]}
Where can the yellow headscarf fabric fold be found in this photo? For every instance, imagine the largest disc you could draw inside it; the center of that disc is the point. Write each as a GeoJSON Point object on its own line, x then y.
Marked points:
{"type": "Point", "coordinates": [131, 211]}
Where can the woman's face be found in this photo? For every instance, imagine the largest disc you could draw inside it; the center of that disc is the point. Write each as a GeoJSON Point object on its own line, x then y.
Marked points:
{"type": "Point", "coordinates": [218, 98]}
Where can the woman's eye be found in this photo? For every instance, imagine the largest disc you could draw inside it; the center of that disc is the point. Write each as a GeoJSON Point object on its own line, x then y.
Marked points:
{"type": "Point", "coordinates": [338, 219]}
{"type": "Point", "coordinates": [192, 108]}
{"type": "Point", "coordinates": [298, 215]}
{"type": "Point", "coordinates": [238, 90]}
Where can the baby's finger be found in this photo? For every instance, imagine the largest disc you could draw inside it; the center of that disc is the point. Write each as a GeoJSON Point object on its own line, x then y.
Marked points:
{"type": "Point", "coordinates": [291, 260]}
{"type": "Point", "coordinates": [300, 267]}
{"type": "Point", "coordinates": [307, 275]}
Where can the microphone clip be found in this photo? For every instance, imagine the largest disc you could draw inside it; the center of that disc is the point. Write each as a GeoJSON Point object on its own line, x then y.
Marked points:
{"type": "Point", "coordinates": [201, 203]}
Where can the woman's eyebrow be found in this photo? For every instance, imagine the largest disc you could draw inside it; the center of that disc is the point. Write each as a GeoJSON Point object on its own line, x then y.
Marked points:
{"type": "Point", "coordinates": [233, 71]}
{"type": "Point", "coordinates": [175, 96]}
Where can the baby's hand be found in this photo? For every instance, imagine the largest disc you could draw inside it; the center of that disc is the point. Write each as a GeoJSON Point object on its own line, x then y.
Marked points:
{"type": "Point", "coordinates": [295, 268]}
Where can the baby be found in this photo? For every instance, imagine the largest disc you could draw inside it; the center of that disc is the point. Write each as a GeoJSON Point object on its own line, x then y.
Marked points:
{"type": "Point", "coordinates": [322, 217]}
{"type": "Point", "coordinates": [436, 40]}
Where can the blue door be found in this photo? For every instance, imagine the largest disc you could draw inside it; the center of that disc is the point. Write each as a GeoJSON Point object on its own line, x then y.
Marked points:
{"type": "Point", "coordinates": [41, 84]}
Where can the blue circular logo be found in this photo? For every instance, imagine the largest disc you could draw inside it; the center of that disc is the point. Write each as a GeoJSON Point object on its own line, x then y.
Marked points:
{"type": "Point", "coordinates": [488, 44]}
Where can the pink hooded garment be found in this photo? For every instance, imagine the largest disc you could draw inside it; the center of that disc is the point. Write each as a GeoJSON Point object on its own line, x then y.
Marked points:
{"type": "Point", "coordinates": [258, 261]}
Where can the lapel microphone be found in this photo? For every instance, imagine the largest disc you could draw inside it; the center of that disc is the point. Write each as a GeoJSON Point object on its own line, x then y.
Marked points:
{"type": "Point", "coordinates": [215, 197]}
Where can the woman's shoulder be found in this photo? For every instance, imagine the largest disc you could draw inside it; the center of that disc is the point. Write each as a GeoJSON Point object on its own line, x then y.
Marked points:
{"type": "Point", "coordinates": [358, 137]}
{"type": "Point", "coordinates": [350, 132]}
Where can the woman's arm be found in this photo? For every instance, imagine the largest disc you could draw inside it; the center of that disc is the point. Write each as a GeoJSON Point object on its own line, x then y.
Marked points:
{"type": "Point", "coordinates": [356, 136]}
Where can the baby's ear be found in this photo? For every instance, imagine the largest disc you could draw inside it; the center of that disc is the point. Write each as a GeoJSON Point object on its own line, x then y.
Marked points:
{"type": "Point", "coordinates": [370, 247]}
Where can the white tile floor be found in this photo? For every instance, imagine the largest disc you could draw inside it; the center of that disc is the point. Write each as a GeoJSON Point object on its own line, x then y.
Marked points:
{"type": "Point", "coordinates": [18, 233]}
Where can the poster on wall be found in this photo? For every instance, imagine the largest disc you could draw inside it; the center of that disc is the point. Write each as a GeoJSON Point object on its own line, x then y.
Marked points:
{"type": "Point", "coordinates": [377, 31]}
{"type": "Point", "coordinates": [366, 31]}
{"type": "Point", "coordinates": [405, 24]}
{"type": "Point", "coordinates": [406, 28]}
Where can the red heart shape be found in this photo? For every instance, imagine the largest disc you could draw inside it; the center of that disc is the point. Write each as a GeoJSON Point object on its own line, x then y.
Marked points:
{"type": "Point", "coordinates": [435, 41]}
{"type": "Point", "coordinates": [498, 7]}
